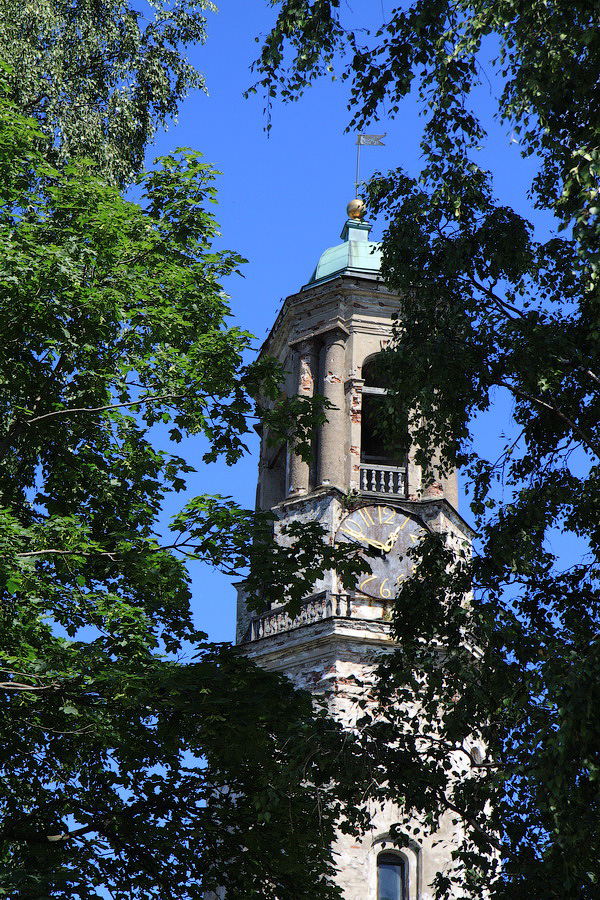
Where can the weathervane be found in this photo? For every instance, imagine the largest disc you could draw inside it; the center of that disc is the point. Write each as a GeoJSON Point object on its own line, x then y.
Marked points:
{"type": "Point", "coordinates": [366, 140]}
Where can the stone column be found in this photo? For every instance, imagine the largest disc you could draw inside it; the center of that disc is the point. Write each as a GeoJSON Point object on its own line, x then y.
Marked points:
{"type": "Point", "coordinates": [306, 373]}
{"type": "Point", "coordinates": [332, 434]}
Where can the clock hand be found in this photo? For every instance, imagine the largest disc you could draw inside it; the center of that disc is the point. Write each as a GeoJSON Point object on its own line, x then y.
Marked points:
{"type": "Point", "coordinates": [371, 541]}
{"type": "Point", "coordinates": [393, 537]}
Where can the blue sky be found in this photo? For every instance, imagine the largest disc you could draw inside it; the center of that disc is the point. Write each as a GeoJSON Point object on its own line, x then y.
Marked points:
{"type": "Point", "coordinates": [282, 201]}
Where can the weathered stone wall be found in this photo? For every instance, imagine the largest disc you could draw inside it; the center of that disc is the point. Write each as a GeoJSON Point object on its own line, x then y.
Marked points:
{"type": "Point", "coordinates": [335, 660]}
{"type": "Point", "coordinates": [324, 335]}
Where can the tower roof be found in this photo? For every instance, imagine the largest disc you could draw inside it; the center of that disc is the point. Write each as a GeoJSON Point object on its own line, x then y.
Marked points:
{"type": "Point", "coordinates": [357, 255]}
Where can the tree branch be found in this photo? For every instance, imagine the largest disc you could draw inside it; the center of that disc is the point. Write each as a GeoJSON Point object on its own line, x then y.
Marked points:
{"type": "Point", "coordinates": [524, 395]}
{"type": "Point", "coordinates": [507, 308]}
{"type": "Point", "coordinates": [18, 686]}
{"type": "Point", "coordinates": [490, 838]}
{"type": "Point", "coordinates": [95, 409]}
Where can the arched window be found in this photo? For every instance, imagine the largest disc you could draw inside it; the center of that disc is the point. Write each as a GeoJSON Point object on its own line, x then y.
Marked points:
{"type": "Point", "coordinates": [372, 447]}
{"type": "Point", "coordinates": [391, 877]}
{"type": "Point", "coordinates": [382, 454]}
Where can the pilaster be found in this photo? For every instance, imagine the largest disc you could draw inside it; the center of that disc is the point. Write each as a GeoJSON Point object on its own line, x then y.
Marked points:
{"type": "Point", "coordinates": [307, 356]}
{"type": "Point", "coordinates": [332, 434]}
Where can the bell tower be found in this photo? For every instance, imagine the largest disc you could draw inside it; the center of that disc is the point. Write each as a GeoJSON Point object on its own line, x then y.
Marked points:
{"type": "Point", "coordinates": [364, 491]}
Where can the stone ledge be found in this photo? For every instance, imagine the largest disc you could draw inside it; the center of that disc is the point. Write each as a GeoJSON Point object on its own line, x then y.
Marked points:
{"type": "Point", "coordinates": [362, 631]}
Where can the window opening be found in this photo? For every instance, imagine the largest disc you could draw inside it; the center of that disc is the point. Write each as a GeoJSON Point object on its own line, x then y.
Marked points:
{"type": "Point", "coordinates": [391, 877]}
{"type": "Point", "coordinates": [374, 447]}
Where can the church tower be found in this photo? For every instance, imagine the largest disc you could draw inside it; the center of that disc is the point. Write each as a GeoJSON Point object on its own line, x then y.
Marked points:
{"type": "Point", "coordinates": [327, 336]}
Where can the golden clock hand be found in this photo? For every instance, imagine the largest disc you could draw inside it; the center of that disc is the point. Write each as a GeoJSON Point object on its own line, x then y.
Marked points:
{"type": "Point", "coordinates": [373, 543]}
{"type": "Point", "coordinates": [357, 535]}
{"type": "Point", "coordinates": [393, 537]}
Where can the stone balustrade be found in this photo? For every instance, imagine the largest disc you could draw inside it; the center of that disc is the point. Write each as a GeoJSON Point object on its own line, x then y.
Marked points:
{"type": "Point", "coordinates": [383, 479]}
{"type": "Point", "coordinates": [319, 606]}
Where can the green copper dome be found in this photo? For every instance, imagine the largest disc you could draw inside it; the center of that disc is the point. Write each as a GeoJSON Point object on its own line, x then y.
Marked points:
{"type": "Point", "coordinates": [356, 256]}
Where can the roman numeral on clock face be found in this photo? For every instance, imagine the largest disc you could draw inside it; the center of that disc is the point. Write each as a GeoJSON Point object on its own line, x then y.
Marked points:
{"type": "Point", "coordinates": [385, 534]}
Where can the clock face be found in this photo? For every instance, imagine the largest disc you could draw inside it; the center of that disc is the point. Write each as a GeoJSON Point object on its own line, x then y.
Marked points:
{"type": "Point", "coordinates": [388, 533]}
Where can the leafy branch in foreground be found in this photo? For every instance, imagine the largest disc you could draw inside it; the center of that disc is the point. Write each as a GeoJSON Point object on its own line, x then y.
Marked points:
{"type": "Point", "coordinates": [125, 768]}
{"type": "Point", "coordinates": [502, 327]}
{"type": "Point", "coordinates": [101, 78]}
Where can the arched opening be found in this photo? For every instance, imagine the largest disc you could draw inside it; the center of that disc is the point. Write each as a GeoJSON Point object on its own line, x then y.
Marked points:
{"type": "Point", "coordinates": [383, 455]}
{"type": "Point", "coordinates": [391, 877]}
{"type": "Point", "coordinates": [372, 445]}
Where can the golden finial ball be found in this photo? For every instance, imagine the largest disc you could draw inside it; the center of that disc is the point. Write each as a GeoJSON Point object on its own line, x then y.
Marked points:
{"type": "Point", "coordinates": [356, 209]}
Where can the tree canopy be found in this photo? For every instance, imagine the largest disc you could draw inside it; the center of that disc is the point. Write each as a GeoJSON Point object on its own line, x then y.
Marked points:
{"type": "Point", "coordinates": [136, 758]}
{"type": "Point", "coordinates": [506, 736]}
{"type": "Point", "coordinates": [101, 78]}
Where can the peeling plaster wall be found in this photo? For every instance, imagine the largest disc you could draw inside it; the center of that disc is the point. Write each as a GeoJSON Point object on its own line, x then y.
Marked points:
{"type": "Point", "coordinates": [364, 311]}
{"type": "Point", "coordinates": [335, 661]}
